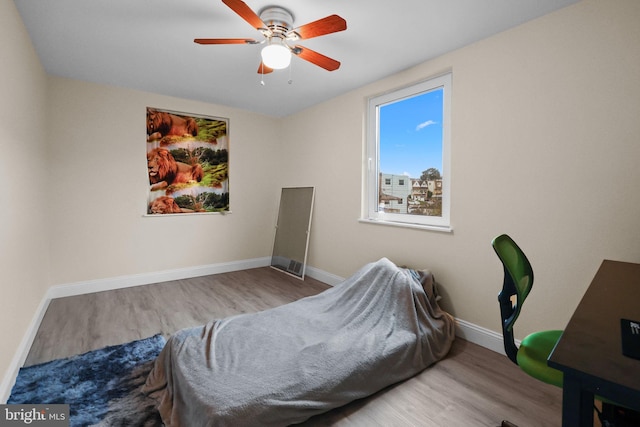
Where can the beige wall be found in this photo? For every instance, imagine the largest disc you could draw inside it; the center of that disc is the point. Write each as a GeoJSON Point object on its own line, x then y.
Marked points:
{"type": "Point", "coordinates": [99, 171]}
{"type": "Point", "coordinates": [24, 258]}
{"type": "Point", "coordinates": [545, 147]}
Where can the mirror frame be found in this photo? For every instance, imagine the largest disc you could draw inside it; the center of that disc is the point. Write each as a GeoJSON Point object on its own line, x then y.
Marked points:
{"type": "Point", "coordinates": [293, 267]}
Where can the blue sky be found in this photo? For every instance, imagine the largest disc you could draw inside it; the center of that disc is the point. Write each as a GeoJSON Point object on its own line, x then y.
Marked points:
{"type": "Point", "coordinates": [411, 135]}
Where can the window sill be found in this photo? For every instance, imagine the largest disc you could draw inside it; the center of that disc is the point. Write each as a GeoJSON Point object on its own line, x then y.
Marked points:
{"type": "Point", "coordinates": [442, 229]}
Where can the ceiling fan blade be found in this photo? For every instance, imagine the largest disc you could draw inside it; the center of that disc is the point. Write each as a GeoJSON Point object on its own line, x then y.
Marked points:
{"type": "Point", "coordinates": [328, 25]}
{"type": "Point", "coordinates": [225, 41]}
{"type": "Point", "coordinates": [263, 69]}
{"type": "Point", "coordinates": [245, 12]}
{"type": "Point", "coordinates": [316, 58]}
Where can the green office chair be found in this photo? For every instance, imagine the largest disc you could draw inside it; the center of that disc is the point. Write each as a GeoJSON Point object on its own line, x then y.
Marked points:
{"type": "Point", "coordinates": [534, 350]}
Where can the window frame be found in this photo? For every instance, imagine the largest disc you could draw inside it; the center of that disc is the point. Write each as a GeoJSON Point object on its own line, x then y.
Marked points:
{"type": "Point", "coordinates": [370, 210]}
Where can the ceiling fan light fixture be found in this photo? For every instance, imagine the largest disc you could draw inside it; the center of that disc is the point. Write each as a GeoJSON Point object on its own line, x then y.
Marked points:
{"type": "Point", "coordinates": [276, 26]}
{"type": "Point", "coordinates": [276, 55]}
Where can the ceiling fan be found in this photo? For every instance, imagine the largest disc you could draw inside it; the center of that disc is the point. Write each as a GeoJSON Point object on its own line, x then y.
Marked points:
{"type": "Point", "coordinates": [276, 25]}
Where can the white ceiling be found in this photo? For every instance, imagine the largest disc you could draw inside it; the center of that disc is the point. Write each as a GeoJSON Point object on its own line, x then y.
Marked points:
{"type": "Point", "coordinates": [148, 44]}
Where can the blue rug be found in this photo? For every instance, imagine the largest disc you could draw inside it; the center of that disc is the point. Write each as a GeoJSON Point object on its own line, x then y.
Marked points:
{"type": "Point", "coordinates": [101, 387]}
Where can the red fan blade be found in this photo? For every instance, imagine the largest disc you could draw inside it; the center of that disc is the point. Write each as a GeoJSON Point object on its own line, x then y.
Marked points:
{"type": "Point", "coordinates": [316, 58]}
{"type": "Point", "coordinates": [328, 25]}
{"type": "Point", "coordinates": [263, 69]}
{"type": "Point", "coordinates": [245, 12]}
{"type": "Point", "coordinates": [225, 41]}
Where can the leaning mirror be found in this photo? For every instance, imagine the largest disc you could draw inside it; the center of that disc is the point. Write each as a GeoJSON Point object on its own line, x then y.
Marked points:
{"type": "Point", "coordinates": [292, 230]}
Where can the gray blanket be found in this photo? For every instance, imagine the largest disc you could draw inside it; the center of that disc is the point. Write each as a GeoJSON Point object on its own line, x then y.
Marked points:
{"type": "Point", "coordinates": [281, 366]}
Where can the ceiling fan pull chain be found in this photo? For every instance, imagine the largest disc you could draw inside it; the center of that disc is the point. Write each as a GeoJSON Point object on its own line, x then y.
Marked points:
{"type": "Point", "coordinates": [262, 74]}
{"type": "Point", "coordinates": [290, 73]}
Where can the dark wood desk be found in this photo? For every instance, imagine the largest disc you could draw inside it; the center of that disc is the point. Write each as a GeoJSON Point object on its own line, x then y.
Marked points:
{"type": "Point", "coordinates": [589, 353]}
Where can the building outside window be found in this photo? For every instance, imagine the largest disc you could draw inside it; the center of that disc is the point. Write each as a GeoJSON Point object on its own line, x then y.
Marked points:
{"type": "Point", "coordinates": [393, 194]}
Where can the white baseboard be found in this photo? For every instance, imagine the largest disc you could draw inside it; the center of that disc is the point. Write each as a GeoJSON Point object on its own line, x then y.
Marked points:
{"type": "Point", "coordinates": [23, 350]}
{"type": "Point", "coordinates": [468, 331]}
{"type": "Point", "coordinates": [323, 276]}
{"type": "Point", "coordinates": [99, 285]}
{"type": "Point", "coordinates": [478, 335]}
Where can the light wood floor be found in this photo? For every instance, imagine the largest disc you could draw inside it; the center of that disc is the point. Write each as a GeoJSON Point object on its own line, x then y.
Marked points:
{"type": "Point", "coordinates": [471, 387]}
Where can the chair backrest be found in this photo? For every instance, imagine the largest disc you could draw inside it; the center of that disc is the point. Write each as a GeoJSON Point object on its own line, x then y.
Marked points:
{"type": "Point", "coordinates": [518, 279]}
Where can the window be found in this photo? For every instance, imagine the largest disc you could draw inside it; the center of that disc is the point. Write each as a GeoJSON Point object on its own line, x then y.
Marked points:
{"type": "Point", "coordinates": [408, 141]}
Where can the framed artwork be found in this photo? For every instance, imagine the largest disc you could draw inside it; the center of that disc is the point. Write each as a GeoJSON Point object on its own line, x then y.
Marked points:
{"type": "Point", "coordinates": [187, 163]}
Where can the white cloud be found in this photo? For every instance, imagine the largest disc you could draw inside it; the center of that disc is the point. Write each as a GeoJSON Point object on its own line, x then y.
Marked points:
{"type": "Point", "coordinates": [425, 124]}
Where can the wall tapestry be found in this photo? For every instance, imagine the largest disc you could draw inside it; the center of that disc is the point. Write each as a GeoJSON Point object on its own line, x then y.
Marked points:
{"type": "Point", "coordinates": [187, 163]}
